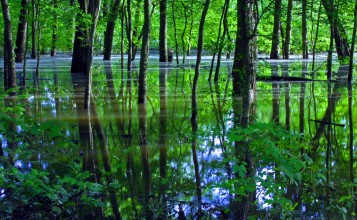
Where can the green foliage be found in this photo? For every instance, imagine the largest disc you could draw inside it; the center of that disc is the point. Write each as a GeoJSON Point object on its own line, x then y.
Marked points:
{"type": "Point", "coordinates": [40, 194]}
{"type": "Point", "coordinates": [278, 164]}
{"type": "Point", "coordinates": [36, 193]}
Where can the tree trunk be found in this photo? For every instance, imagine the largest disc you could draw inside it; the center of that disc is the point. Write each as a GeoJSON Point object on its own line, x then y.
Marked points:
{"type": "Point", "coordinates": [81, 32]}
{"type": "Point", "coordinates": [305, 51]}
{"type": "Point", "coordinates": [9, 64]}
{"type": "Point", "coordinates": [274, 53]}
{"type": "Point", "coordinates": [175, 31]}
{"type": "Point", "coordinates": [288, 30]}
{"type": "Point", "coordinates": [122, 35]}
{"type": "Point", "coordinates": [339, 34]}
{"type": "Point", "coordinates": [243, 73]}
{"type": "Point", "coordinates": [129, 32]}
{"type": "Point", "coordinates": [109, 31]}
{"type": "Point", "coordinates": [198, 61]}
{"type": "Point", "coordinates": [144, 52]}
{"type": "Point", "coordinates": [350, 71]}
{"type": "Point", "coordinates": [163, 31]}
{"type": "Point", "coordinates": [34, 27]}
{"type": "Point", "coordinates": [22, 32]}
{"type": "Point", "coordinates": [221, 43]}
{"type": "Point", "coordinates": [55, 29]}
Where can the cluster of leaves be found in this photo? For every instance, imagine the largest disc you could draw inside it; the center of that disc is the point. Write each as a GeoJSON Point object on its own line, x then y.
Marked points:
{"type": "Point", "coordinates": [36, 193]}
{"type": "Point", "coordinates": [277, 164]}
{"type": "Point", "coordinates": [39, 194]}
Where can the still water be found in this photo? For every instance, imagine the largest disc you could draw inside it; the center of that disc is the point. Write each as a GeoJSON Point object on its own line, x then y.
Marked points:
{"type": "Point", "coordinates": [162, 169]}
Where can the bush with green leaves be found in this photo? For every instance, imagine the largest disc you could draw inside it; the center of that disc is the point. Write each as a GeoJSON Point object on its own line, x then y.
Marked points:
{"type": "Point", "coordinates": [34, 192]}
{"type": "Point", "coordinates": [278, 162]}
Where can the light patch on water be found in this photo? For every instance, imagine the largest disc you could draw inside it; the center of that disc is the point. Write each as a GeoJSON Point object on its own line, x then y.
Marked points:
{"type": "Point", "coordinates": [262, 195]}
{"type": "Point", "coordinates": [19, 164]}
{"type": "Point", "coordinates": [2, 193]}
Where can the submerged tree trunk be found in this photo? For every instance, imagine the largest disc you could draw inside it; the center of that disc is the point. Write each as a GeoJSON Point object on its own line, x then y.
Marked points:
{"type": "Point", "coordinates": [129, 32]}
{"type": "Point", "coordinates": [305, 51]}
{"type": "Point", "coordinates": [55, 29]}
{"type": "Point", "coordinates": [144, 52]}
{"type": "Point", "coordinates": [163, 32]}
{"type": "Point", "coordinates": [84, 38]}
{"type": "Point", "coordinates": [34, 27]}
{"type": "Point", "coordinates": [339, 34]}
{"type": "Point", "coordinates": [175, 31]}
{"type": "Point", "coordinates": [9, 64]}
{"type": "Point", "coordinates": [350, 71]}
{"type": "Point", "coordinates": [244, 76]}
{"type": "Point", "coordinates": [221, 43]}
{"type": "Point", "coordinates": [274, 53]}
{"type": "Point", "coordinates": [109, 31]}
{"type": "Point", "coordinates": [198, 60]}
{"type": "Point", "coordinates": [288, 30]}
{"type": "Point", "coordinates": [22, 32]}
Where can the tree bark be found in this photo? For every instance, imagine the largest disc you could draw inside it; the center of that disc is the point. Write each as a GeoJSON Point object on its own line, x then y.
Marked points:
{"type": "Point", "coordinates": [244, 76]}
{"type": "Point", "coordinates": [175, 31]}
{"type": "Point", "coordinates": [9, 64]}
{"type": "Point", "coordinates": [144, 52]}
{"type": "Point", "coordinates": [288, 29]}
{"type": "Point", "coordinates": [163, 31]}
{"type": "Point", "coordinates": [84, 38]}
{"type": "Point", "coordinates": [55, 29]}
{"type": "Point", "coordinates": [305, 51]}
{"type": "Point", "coordinates": [34, 27]}
{"type": "Point", "coordinates": [274, 53]}
{"type": "Point", "coordinates": [21, 32]}
{"type": "Point", "coordinates": [198, 61]}
{"type": "Point", "coordinates": [109, 31]}
{"type": "Point", "coordinates": [350, 71]}
{"type": "Point", "coordinates": [339, 34]}
{"type": "Point", "coordinates": [77, 60]}
{"type": "Point", "coordinates": [129, 34]}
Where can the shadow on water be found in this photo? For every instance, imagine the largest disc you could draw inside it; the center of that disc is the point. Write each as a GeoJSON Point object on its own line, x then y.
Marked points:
{"type": "Point", "coordinates": [159, 164]}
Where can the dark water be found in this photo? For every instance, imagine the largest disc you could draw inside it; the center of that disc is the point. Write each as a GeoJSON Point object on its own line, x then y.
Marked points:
{"type": "Point", "coordinates": [161, 169]}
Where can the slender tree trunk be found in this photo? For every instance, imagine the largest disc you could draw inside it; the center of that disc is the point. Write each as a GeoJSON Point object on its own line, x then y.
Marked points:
{"type": "Point", "coordinates": [144, 52]}
{"type": "Point", "coordinates": [274, 53]}
{"type": "Point", "coordinates": [305, 51]}
{"type": "Point", "coordinates": [175, 31]}
{"type": "Point", "coordinates": [198, 60]}
{"type": "Point", "coordinates": [190, 31]}
{"type": "Point", "coordinates": [315, 40]}
{"type": "Point", "coordinates": [350, 71]}
{"type": "Point", "coordinates": [22, 32]}
{"type": "Point", "coordinates": [55, 29]}
{"type": "Point", "coordinates": [288, 30]}
{"type": "Point", "coordinates": [329, 55]}
{"type": "Point", "coordinates": [9, 62]}
{"type": "Point", "coordinates": [163, 31]}
{"type": "Point", "coordinates": [129, 34]}
{"type": "Point", "coordinates": [109, 31]}
{"type": "Point", "coordinates": [184, 34]}
{"type": "Point", "coordinates": [221, 43]}
{"type": "Point", "coordinates": [38, 40]}
{"type": "Point", "coordinates": [33, 22]}
{"type": "Point", "coordinates": [122, 35]}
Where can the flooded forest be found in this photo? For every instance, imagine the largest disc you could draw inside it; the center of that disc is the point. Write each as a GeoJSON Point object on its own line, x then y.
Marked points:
{"type": "Point", "coordinates": [178, 109]}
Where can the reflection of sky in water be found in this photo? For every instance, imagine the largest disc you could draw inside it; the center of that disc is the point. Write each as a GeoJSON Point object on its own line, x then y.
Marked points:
{"type": "Point", "coordinates": [261, 193]}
